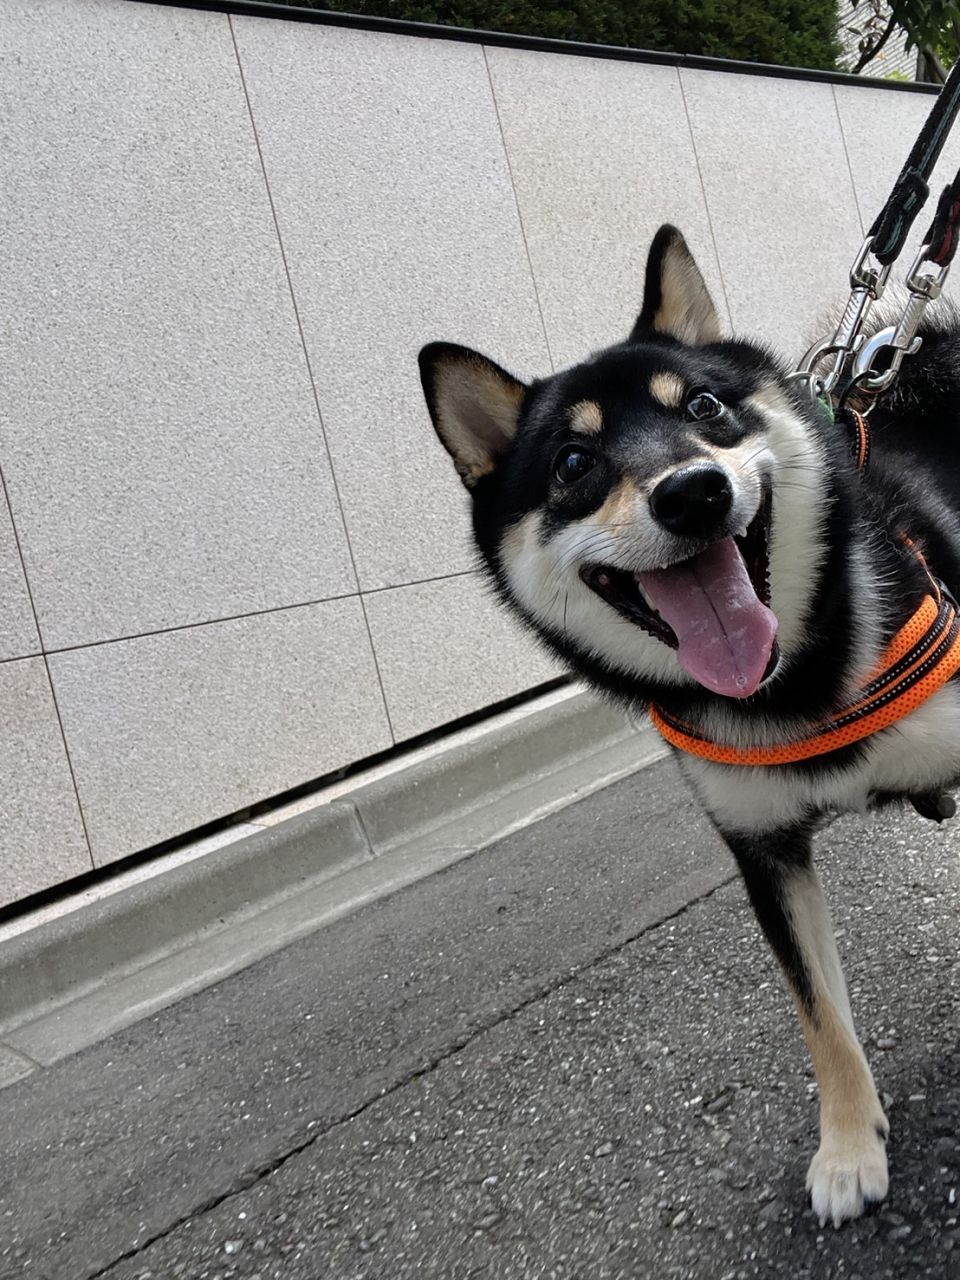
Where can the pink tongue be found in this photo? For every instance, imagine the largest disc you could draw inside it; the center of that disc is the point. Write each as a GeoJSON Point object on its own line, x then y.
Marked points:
{"type": "Point", "coordinates": [726, 635]}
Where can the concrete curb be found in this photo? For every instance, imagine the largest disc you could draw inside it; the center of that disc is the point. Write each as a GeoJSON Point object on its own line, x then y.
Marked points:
{"type": "Point", "coordinates": [73, 980]}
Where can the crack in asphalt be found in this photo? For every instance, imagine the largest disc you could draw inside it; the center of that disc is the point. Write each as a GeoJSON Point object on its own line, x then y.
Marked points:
{"type": "Point", "coordinates": [263, 1171]}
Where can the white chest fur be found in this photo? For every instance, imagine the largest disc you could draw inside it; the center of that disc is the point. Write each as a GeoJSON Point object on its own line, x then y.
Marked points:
{"type": "Point", "coordinates": [919, 753]}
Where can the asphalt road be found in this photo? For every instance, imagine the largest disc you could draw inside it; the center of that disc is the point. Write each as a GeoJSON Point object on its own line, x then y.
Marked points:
{"type": "Point", "coordinates": [568, 1056]}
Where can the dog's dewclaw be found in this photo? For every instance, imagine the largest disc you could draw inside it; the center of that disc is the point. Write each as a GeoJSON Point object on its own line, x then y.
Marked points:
{"type": "Point", "coordinates": [846, 1175]}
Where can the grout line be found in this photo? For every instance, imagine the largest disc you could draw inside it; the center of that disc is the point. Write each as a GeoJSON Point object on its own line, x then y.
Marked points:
{"type": "Point", "coordinates": [516, 201]}
{"type": "Point", "coordinates": [19, 1056]}
{"type": "Point", "coordinates": [46, 664]}
{"type": "Point", "coordinates": [306, 356]}
{"type": "Point", "coordinates": [846, 153]}
{"type": "Point", "coordinates": [439, 577]}
{"type": "Point", "coordinates": [237, 617]}
{"type": "Point", "coordinates": [376, 663]}
{"type": "Point", "coordinates": [371, 851]}
{"type": "Point", "coordinates": [706, 202]}
{"type": "Point", "coordinates": [250, 1178]}
{"type": "Point", "coordinates": [22, 657]}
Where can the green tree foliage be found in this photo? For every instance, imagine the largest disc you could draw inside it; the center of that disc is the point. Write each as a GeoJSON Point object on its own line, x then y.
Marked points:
{"type": "Point", "coordinates": [932, 27]}
{"type": "Point", "coordinates": [789, 32]}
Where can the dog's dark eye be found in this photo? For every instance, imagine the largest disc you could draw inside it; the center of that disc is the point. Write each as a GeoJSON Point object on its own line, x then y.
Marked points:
{"type": "Point", "coordinates": [703, 405]}
{"type": "Point", "coordinates": [572, 464]}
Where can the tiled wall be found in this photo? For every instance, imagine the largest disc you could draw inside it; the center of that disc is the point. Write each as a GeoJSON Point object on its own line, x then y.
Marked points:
{"type": "Point", "coordinates": [232, 555]}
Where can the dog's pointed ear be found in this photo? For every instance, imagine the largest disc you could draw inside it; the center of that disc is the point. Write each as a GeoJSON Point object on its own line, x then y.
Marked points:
{"type": "Point", "coordinates": [474, 405]}
{"type": "Point", "coordinates": [676, 301]}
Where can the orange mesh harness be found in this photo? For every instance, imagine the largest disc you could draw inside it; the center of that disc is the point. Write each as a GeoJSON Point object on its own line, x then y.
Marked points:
{"type": "Point", "coordinates": [918, 661]}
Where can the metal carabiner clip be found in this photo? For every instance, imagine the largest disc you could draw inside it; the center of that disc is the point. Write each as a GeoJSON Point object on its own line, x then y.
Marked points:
{"type": "Point", "coordinates": [900, 339]}
{"type": "Point", "coordinates": [894, 338]}
{"type": "Point", "coordinates": [867, 285]}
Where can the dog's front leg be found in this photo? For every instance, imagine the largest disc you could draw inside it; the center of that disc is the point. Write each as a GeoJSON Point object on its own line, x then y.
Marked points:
{"type": "Point", "coordinates": [850, 1167]}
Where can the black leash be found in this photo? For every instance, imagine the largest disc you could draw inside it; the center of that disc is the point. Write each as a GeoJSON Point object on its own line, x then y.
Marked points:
{"type": "Point", "coordinates": [940, 241]}
{"type": "Point", "coordinates": [871, 366]}
{"type": "Point", "coordinates": [892, 224]}
{"type": "Point", "coordinates": [877, 361]}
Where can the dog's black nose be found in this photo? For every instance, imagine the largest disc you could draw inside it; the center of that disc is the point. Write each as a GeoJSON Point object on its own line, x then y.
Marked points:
{"type": "Point", "coordinates": [693, 501]}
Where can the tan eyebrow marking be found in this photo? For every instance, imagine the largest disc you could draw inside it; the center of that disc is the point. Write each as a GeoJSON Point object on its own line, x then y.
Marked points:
{"type": "Point", "coordinates": [667, 389]}
{"type": "Point", "coordinates": [620, 506]}
{"type": "Point", "coordinates": [586, 417]}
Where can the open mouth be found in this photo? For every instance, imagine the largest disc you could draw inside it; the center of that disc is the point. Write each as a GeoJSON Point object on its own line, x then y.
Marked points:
{"type": "Point", "coordinates": [713, 608]}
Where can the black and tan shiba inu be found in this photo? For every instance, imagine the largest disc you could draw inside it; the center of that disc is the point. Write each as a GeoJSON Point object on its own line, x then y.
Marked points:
{"type": "Point", "coordinates": [683, 524]}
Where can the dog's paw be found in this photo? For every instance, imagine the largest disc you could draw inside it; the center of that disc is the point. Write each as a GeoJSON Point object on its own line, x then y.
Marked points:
{"type": "Point", "coordinates": [848, 1172]}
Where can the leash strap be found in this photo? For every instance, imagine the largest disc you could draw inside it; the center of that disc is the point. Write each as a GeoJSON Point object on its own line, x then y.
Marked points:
{"type": "Point", "coordinates": [857, 423]}
{"type": "Point", "coordinates": [876, 362]}
{"type": "Point", "coordinates": [878, 359]}
{"type": "Point", "coordinates": [941, 239]}
{"type": "Point", "coordinates": [919, 660]}
{"type": "Point", "coordinates": [859, 438]}
{"type": "Point", "coordinates": [892, 224]}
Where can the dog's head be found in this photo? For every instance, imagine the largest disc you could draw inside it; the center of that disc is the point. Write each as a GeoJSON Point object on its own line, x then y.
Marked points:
{"type": "Point", "coordinates": [654, 511]}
